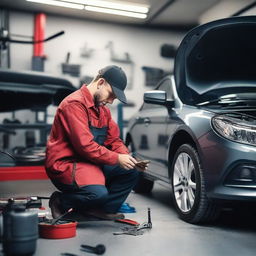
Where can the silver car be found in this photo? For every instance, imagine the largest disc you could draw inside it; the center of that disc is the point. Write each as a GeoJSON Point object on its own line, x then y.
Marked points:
{"type": "Point", "coordinates": [198, 127]}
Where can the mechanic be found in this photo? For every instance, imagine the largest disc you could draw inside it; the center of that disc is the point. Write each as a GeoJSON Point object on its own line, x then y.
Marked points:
{"type": "Point", "coordinates": [85, 158]}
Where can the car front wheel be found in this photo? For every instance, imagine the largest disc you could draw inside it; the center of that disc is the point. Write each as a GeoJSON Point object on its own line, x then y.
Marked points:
{"type": "Point", "coordinates": [188, 187]}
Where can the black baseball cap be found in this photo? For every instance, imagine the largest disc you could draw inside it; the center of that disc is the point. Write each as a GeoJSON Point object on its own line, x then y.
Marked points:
{"type": "Point", "coordinates": [117, 79]}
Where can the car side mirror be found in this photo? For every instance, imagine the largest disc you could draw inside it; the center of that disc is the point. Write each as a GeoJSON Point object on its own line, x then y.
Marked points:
{"type": "Point", "coordinates": [158, 98]}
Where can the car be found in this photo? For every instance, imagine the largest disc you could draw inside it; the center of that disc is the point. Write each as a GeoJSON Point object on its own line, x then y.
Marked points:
{"type": "Point", "coordinates": [198, 127]}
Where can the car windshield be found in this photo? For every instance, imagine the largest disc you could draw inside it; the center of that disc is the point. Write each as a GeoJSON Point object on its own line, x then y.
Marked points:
{"type": "Point", "coordinates": [235, 100]}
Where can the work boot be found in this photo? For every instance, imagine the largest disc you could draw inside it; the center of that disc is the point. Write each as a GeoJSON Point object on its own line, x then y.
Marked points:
{"type": "Point", "coordinates": [105, 216]}
{"type": "Point", "coordinates": [55, 204]}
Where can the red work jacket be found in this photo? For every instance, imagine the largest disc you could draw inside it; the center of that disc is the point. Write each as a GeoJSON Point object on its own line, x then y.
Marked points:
{"type": "Point", "coordinates": [71, 152]}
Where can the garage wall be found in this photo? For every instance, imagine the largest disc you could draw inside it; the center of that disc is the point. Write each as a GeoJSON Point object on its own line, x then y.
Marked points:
{"type": "Point", "coordinates": [142, 45]}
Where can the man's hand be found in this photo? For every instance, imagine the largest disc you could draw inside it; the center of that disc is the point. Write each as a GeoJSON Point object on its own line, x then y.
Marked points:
{"type": "Point", "coordinates": [126, 161]}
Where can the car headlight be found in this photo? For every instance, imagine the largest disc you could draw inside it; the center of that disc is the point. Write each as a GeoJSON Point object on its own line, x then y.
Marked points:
{"type": "Point", "coordinates": [236, 127]}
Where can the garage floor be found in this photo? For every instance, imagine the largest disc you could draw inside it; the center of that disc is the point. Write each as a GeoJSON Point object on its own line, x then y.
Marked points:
{"type": "Point", "coordinates": [233, 233]}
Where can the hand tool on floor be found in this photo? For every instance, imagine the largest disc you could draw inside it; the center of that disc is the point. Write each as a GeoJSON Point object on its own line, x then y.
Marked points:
{"type": "Point", "coordinates": [54, 221]}
{"type": "Point", "coordinates": [131, 231]}
{"type": "Point", "coordinates": [146, 225]}
{"type": "Point", "coordinates": [98, 249]}
{"type": "Point", "coordinates": [136, 230]}
{"type": "Point", "coordinates": [149, 223]}
{"type": "Point", "coordinates": [68, 254]}
{"type": "Point", "coordinates": [128, 221]}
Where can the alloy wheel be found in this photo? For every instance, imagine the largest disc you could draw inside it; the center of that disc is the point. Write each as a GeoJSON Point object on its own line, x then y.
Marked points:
{"type": "Point", "coordinates": [184, 182]}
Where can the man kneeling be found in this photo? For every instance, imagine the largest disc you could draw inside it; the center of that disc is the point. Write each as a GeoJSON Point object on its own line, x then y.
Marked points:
{"type": "Point", "coordinates": [85, 158]}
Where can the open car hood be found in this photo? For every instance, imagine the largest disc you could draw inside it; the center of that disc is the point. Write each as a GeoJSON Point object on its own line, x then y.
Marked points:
{"type": "Point", "coordinates": [216, 59]}
{"type": "Point", "coordinates": [28, 90]}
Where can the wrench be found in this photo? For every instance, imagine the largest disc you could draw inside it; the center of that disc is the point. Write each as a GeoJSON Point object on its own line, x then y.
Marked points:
{"type": "Point", "coordinates": [132, 232]}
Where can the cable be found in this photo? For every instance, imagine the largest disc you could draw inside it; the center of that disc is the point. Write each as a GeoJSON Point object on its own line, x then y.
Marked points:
{"type": "Point", "coordinates": [246, 8]}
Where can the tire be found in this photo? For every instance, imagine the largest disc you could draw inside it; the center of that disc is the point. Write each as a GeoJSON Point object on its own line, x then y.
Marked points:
{"type": "Point", "coordinates": [188, 187]}
{"type": "Point", "coordinates": [144, 185]}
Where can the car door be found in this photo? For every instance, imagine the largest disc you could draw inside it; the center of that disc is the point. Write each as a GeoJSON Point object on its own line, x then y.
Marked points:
{"type": "Point", "coordinates": [151, 137]}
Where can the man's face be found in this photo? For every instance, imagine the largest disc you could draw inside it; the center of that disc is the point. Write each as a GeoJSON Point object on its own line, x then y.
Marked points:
{"type": "Point", "coordinates": [104, 95]}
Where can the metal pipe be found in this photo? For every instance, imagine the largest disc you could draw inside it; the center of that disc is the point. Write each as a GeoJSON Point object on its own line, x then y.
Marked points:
{"type": "Point", "coordinates": [246, 8]}
{"type": "Point", "coordinates": [39, 29]}
{"type": "Point", "coordinates": [159, 11]}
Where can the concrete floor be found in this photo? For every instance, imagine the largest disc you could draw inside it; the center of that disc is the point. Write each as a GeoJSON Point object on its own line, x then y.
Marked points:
{"type": "Point", "coordinates": [232, 234]}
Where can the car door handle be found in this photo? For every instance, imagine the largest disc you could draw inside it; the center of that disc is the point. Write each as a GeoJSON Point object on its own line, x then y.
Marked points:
{"type": "Point", "coordinates": [147, 121]}
{"type": "Point", "coordinates": [139, 119]}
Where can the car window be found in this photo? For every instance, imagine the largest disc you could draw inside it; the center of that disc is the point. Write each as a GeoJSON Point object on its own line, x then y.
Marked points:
{"type": "Point", "coordinates": [164, 85]}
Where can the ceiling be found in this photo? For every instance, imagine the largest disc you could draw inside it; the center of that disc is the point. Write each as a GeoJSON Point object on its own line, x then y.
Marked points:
{"type": "Point", "coordinates": [170, 14]}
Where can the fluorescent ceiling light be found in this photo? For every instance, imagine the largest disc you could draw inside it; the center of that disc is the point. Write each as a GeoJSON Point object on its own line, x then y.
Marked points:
{"type": "Point", "coordinates": [58, 3]}
{"type": "Point", "coordinates": [116, 8]}
{"type": "Point", "coordinates": [125, 6]}
{"type": "Point", "coordinates": [116, 12]}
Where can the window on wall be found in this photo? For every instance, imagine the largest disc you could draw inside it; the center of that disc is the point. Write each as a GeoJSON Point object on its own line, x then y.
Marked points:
{"type": "Point", "coordinates": [153, 75]}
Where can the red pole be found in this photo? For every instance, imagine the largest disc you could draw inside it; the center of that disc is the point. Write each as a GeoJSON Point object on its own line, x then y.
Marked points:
{"type": "Point", "coordinates": [39, 29]}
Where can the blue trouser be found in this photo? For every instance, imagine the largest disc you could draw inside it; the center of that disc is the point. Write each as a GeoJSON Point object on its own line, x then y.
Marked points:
{"type": "Point", "coordinates": [109, 198]}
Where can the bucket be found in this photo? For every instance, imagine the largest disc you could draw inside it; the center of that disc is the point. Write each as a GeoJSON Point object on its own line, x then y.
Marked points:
{"type": "Point", "coordinates": [65, 229]}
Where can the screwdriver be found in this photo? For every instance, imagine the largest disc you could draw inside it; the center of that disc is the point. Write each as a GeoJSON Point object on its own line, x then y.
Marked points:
{"type": "Point", "coordinates": [149, 219]}
{"type": "Point", "coordinates": [54, 221]}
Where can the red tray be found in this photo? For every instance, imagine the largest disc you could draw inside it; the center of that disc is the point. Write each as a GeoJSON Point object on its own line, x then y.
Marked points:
{"type": "Point", "coordinates": [58, 231]}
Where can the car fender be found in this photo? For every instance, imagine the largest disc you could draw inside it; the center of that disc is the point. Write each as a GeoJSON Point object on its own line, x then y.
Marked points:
{"type": "Point", "coordinates": [182, 135]}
